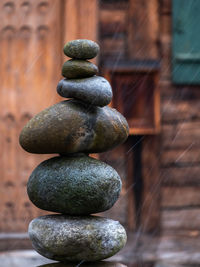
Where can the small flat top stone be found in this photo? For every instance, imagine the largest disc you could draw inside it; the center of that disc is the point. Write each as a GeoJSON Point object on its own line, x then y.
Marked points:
{"type": "Point", "coordinates": [78, 68]}
{"type": "Point", "coordinates": [81, 49]}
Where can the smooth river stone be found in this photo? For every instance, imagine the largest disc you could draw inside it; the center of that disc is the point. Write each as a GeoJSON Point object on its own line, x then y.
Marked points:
{"type": "Point", "coordinates": [87, 264]}
{"type": "Point", "coordinates": [74, 185]}
{"type": "Point", "coordinates": [68, 238]}
{"type": "Point", "coordinates": [81, 49]}
{"type": "Point", "coordinates": [94, 90]}
{"type": "Point", "coordinates": [77, 68]}
{"type": "Point", "coordinates": [71, 126]}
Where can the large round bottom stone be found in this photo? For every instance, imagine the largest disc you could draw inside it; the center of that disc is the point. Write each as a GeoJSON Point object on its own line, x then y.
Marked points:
{"type": "Point", "coordinates": [69, 238]}
{"type": "Point", "coordinates": [88, 264]}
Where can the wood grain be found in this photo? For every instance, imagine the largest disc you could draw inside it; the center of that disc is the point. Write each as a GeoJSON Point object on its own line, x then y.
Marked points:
{"type": "Point", "coordinates": [131, 209]}
{"type": "Point", "coordinates": [80, 20]}
{"type": "Point", "coordinates": [181, 219]}
{"type": "Point", "coordinates": [166, 6]}
{"type": "Point", "coordinates": [175, 110]}
{"type": "Point", "coordinates": [30, 69]}
{"type": "Point", "coordinates": [185, 196]}
{"type": "Point", "coordinates": [181, 157]}
{"type": "Point", "coordinates": [31, 59]}
{"type": "Point", "coordinates": [181, 135]}
{"type": "Point", "coordinates": [112, 22]}
{"type": "Point", "coordinates": [112, 48]}
{"type": "Point", "coordinates": [143, 29]}
{"type": "Point", "coordinates": [183, 176]}
{"type": "Point", "coordinates": [150, 206]}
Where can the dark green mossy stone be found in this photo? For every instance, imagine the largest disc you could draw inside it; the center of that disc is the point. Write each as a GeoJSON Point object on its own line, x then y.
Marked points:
{"type": "Point", "coordinates": [74, 185]}
{"type": "Point", "coordinates": [87, 264]}
{"type": "Point", "coordinates": [94, 90]}
{"type": "Point", "coordinates": [80, 238]}
{"type": "Point", "coordinates": [77, 68]}
{"type": "Point", "coordinates": [71, 126]}
{"type": "Point", "coordinates": [81, 49]}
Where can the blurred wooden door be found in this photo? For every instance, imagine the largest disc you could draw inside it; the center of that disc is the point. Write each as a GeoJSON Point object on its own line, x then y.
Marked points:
{"type": "Point", "coordinates": [32, 34]}
{"type": "Point", "coordinates": [29, 66]}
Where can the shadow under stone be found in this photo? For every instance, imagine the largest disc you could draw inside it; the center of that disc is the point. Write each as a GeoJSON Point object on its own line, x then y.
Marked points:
{"type": "Point", "coordinates": [91, 264]}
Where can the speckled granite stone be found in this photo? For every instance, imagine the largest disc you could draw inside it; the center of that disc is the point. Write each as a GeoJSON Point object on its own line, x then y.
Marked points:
{"type": "Point", "coordinates": [74, 185]}
{"type": "Point", "coordinates": [94, 90]}
{"type": "Point", "coordinates": [67, 238]}
{"type": "Point", "coordinates": [71, 126]}
{"type": "Point", "coordinates": [81, 49]}
{"type": "Point", "coordinates": [77, 68]}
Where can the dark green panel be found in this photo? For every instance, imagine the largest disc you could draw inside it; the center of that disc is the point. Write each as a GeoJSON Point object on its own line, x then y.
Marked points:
{"type": "Point", "coordinates": [186, 42]}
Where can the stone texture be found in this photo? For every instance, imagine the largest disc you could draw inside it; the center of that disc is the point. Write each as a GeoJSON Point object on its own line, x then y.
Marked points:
{"type": "Point", "coordinates": [81, 49]}
{"type": "Point", "coordinates": [77, 68]}
{"type": "Point", "coordinates": [94, 90]}
{"type": "Point", "coordinates": [74, 185]}
{"type": "Point", "coordinates": [91, 264]}
{"type": "Point", "coordinates": [67, 238]}
{"type": "Point", "coordinates": [70, 126]}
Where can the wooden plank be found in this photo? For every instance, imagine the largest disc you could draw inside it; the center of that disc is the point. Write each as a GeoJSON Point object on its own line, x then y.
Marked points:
{"type": "Point", "coordinates": [112, 16]}
{"type": "Point", "coordinates": [14, 241]}
{"type": "Point", "coordinates": [112, 48]}
{"type": "Point", "coordinates": [166, 57]}
{"type": "Point", "coordinates": [181, 219]}
{"type": "Point", "coordinates": [150, 206]}
{"type": "Point", "coordinates": [179, 249]}
{"type": "Point", "coordinates": [184, 176]}
{"type": "Point", "coordinates": [181, 157]}
{"type": "Point", "coordinates": [117, 159]}
{"type": "Point", "coordinates": [168, 133]}
{"type": "Point", "coordinates": [114, 4]}
{"type": "Point", "coordinates": [172, 92]}
{"type": "Point", "coordinates": [143, 29]}
{"type": "Point", "coordinates": [166, 6]}
{"type": "Point", "coordinates": [157, 101]}
{"type": "Point", "coordinates": [174, 110]}
{"type": "Point", "coordinates": [181, 135]}
{"type": "Point", "coordinates": [131, 211]}
{"type": "Point", "coordinates": [88, 19]}
{"type": "Point", "coordinates": [112, 22]}
{"type": "Point", "coordinates": [166, 25]}
{"type": "Point", "coordinates": [173, 197]}
{"type": "Point", "coordinates": [30, 69]}
{"type": "Point", "coordinates": [166, 89]}
{"type": "Point", "coordinates": [80, 20]}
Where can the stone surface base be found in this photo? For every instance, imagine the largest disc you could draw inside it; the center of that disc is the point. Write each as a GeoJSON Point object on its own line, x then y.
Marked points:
{"type": "Point", "coordinates": [91, 264]}
{"type": "Point", "coordinates": [65, 238]}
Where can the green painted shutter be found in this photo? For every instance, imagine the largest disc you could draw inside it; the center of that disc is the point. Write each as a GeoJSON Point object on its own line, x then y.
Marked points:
{"type": "Point", "coordinates": [186, 42]}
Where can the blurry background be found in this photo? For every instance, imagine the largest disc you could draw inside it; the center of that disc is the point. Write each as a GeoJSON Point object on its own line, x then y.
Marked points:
{"type": "Point", "coordinates": [150, 52]}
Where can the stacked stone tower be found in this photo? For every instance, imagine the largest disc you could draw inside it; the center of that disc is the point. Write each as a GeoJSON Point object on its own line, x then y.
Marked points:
{"type": "Point", "coordinates": [74, 184]}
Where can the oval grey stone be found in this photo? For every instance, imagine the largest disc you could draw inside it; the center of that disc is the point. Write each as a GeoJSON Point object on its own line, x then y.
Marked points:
{"type": "Point", "coordinates": [91, 264]}
{"type": "Point", "coordinates": [68, 238]}
{"type": "Point", "coordinates": [74, 185]}
{"type": "Point", "coordinates": [94, 90]}
{"type": "Point", "coordinates": [71, 126]}
{"type": "Point", "coordinates": [77, 68]}
{"type": "Point", "coordinates": [81, 49]}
